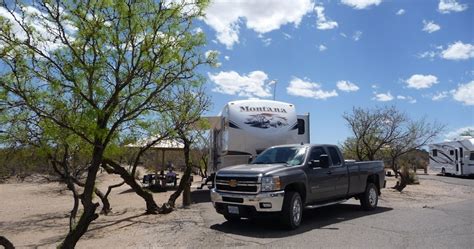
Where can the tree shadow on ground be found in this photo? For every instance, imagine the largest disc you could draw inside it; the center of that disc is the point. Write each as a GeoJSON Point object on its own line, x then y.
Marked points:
{"type": "Point", "coordinates": [97, 225]}
{"type": "Point", "coordinates": [200, 196]}
{"type": "Point", "coordinates": [319, 218]}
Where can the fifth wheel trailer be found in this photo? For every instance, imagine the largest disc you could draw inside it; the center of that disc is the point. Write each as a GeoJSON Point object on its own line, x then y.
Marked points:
{"type": "Point", "coordinates": [245, 128]}
{"type": "Point", "coordinates": [453, 157]}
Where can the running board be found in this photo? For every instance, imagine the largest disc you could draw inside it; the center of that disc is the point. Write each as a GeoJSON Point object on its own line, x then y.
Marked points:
{"type": "Point", "coordinates": [324, 204]}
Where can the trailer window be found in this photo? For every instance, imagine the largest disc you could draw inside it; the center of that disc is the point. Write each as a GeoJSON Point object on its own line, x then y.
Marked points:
{"type": "Point", "coordinates": [301, 126]}
{"type": "Point", "coordinates": [435, 152]}
{"type": "Point", "coordinates": [451, 152]}
{"type": "Point", "coordinates": [471, 157]}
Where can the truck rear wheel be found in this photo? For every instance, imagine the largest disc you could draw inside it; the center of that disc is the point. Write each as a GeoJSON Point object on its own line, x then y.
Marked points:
{"type": "Point", "coordinates": [292, 210]}
{"type": "Point", "coordinates": [370, 198]}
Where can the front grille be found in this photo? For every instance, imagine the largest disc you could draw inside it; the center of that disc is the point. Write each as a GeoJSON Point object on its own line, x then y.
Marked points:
{"type": "Point", "coordinates": [239, 178]}
{"type": "Point", "coordinates": [238, 184]}
{"type": "Point", "coordinates": [236, 188]}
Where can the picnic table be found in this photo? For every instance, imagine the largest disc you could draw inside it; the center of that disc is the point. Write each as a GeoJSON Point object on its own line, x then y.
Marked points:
{"type": "Point", "coordinates": [161, 180]}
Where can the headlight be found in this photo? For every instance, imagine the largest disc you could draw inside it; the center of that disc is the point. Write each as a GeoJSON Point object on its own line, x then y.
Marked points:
{"type": "Point", "coordinates": [271, 183]}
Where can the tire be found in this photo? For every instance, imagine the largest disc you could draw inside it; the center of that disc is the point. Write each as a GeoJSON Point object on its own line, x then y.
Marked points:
{"type": "Point", "coordinates": [370, 198]}
{"type": "Point", "coordinates": [292, 212]}
{"type": "Point", "coordinates": [231, 218]}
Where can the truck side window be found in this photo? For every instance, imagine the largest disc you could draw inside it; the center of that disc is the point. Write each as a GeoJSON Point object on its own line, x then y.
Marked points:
{"type": "Point", "coordinates": [316, 153]}
{"type": "Point", "coordinates": [301, 127]}
{"type": "Point", "coordinates": [435, 152]}
{"type": "Point", "coordinates": [471, 156]}
{"type": "Point", "coordinates": [336, 160]}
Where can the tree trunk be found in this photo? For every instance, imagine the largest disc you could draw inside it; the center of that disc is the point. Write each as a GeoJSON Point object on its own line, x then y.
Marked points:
{"type": "Point", "coordinates": [90, 207]}
{"type": "Point", "coordinates": [187, 194]}
{"type": "Point", "coordinates": [185, 180]}
{"type": "Point", "coordinates": [151, 206]}
{"type": "Point", "coordinates": [402, 183]}
{"type": "Point", "coordinates": [106, 206]}
{"type": "Point", "coordinates": [105, 202]}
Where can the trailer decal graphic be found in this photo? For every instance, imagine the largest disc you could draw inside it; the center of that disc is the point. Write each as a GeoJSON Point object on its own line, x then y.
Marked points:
{"type": "Point", "coordinates": [266, 120]}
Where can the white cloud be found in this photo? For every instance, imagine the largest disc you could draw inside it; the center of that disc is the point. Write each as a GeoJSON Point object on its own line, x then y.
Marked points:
{"type": "Point", "coordinates": [430, 26]}
{"type": "Point", "coordinates": [410, 99]}
{"type": "Point", "coordinates": [374, 86]}
{"type": "Point", "coordinates": [361, 4]}
{"type": "Point", "coordinates": [198, 30]}
{"type": "Point", "coordinates": [266, 41]}
{"type": "Point", "coordinates": [213, 53]}
{"type": "Point", "coordinates": [322, 47]}
{"type": "Point", "coordinates": [356, 36]}
{"type": "Point", "coordinates": [251, 85]}
{"type": "Point", "coordinates": [458, 51]}
{"type": "Point", "coordinates": [440, 95]}
{"type": "Point", "coordinates": [419, 81]}
{"type": "Point", "coordinates": [428, 54]}
{"type": "Point", "coordinates": [455, 133]}
{"type": "Point", "coordinates": [45, 32]}
{"type": "Point", "coordinates": [343, 35]}
{"type": "Point", "coordinates": [226, 57]}
{"type": "Point", "coordinates": [465, 93]}
{"type": "Point", "coordinates": [447, 6]}
{"type": "Point", "coordinates": [400, 12]}
{"type": "Point", "coordinates": [305, 88]}
{"type": "Point", "coordinates": [322, 22]}
{"type": "Point", "coordinates": [287, 36]}
{"type": "Point", "coordinates": [226, 17]}
{"type": "Point", "coordinates": [383, 97]}
{"type": "Point", "coordinates": [347, 86]}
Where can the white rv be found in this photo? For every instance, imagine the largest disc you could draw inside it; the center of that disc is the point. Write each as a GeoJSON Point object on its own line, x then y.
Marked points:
{"type": "Point", "coordinates": [453, 157]}
{"type": "Point", "coordinates": [245, 128]}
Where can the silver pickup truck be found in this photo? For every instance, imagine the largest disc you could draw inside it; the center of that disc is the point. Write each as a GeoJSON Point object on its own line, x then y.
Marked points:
{"type": "Point", "coordinates": [283, 180]}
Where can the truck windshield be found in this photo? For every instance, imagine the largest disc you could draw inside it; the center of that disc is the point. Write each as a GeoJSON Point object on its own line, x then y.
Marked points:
{"type": "Point", "coordinates": [288, 155]}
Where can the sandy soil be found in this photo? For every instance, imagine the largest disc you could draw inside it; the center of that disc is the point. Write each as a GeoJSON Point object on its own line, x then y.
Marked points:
{"type": "Point", "coordinates": [426, 194]}
{"type": "Point", "coordinates": [36, 214]}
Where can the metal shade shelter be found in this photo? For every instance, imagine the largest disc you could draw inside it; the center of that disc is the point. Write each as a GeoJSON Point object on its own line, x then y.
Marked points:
{"type": "Point", "coordinates": [163, 146]}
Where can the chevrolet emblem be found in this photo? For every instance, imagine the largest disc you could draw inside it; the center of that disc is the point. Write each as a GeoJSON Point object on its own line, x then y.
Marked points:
{"type": "Point", "coordinates": [233, 183]}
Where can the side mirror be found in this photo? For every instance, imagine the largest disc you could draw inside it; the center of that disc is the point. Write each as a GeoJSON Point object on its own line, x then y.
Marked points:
{"type": "Point", "coordinates": [314, 164]}
{"type": "Point", "coordinates": [250, 159]}
{"type": "Point", "coordinates": [324, 161]}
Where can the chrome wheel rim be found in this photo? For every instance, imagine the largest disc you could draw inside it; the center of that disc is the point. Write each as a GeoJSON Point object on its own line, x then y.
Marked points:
{"type": "Point", "coordinates": [372, 197]}
{"type": "Point", "coordinates": [296, 211]}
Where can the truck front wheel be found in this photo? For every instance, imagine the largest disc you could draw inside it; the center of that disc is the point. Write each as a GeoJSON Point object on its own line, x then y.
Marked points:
{"type": "Point", "coordinates": [292, 210]}
{"type": "Point", "coordinates": [370, 198]}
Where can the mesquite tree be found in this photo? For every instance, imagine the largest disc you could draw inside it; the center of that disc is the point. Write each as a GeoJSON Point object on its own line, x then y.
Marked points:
{"type": "Point", "coordinates": [188, 133]}
{"type": "Point", "coordinates": [97, 69]}
{"type": "Point", "coordinates": [387, 133]}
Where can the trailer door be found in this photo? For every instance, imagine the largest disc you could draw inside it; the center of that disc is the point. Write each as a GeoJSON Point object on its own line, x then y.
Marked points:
{"type": "Point", "coordinates": [456, 161]}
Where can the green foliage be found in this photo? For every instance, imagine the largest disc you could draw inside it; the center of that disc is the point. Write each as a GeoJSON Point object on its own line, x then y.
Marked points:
{"type": "Point", "coordinates": [105, 73]}
{"type": "Point", "coordinates": [468, 132]}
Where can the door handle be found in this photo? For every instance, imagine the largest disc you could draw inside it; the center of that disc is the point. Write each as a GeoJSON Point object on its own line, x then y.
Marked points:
{"type": "Point", "coordinates": [329, 172]}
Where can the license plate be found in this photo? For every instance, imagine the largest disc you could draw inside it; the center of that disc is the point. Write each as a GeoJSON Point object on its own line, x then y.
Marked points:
{"type": "Point", "coordinates": [233, 209]}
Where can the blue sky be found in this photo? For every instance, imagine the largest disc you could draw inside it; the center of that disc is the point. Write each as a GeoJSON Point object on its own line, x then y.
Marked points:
{"type": "Point", "coordinates": [330, 56]}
